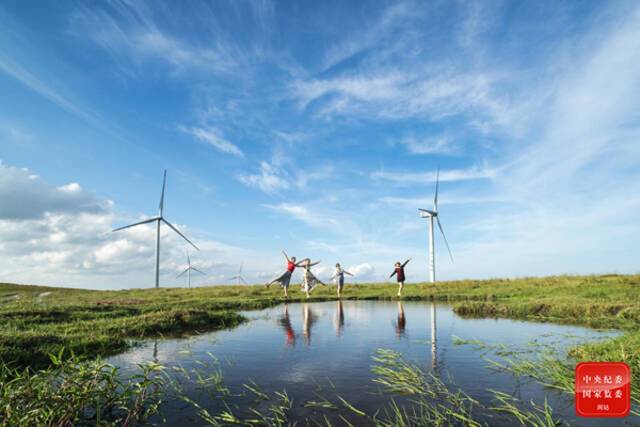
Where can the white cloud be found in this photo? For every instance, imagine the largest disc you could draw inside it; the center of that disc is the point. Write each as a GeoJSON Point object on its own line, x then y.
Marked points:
{"type": "Point", "coordinates": [270, 180]}
{"type": "Point", "coordinates": [362, 271]}
{"type": "Point", "coordinates": [443, 199]}
{"type": "Point", "coordinates": [435, 93]}
{"type": "Point", "coordinates": [370, 34]}
{"type": "Point", "coordinates": [49, 92]}
{"type": "Point", "coordinates": [62, 236]}
{"type": "Point", "coordinates": [26, 196]}
{"type": "Point", "coordinates": [407, 178]}
{"type": "Point", "coordinates": [429, 145]}
{"type": "Point", "coordinates": [15, 134]}
{"type": "Point", "coordinates": [301, 213]}
{"type": "Point", "coordinates": [132, 32]}
{"type": "Point", "coordinates": [212, 137]}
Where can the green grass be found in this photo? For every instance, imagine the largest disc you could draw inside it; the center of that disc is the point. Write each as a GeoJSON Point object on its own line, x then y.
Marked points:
{"type": "Point", "coordinates": [90, 323]}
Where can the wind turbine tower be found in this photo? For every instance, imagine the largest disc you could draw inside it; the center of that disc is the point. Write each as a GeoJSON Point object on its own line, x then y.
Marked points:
{"type": "Point", "coordinates": [158, 219]}
{"type": "Point", "coordinates": [188, 270]}
{"type": "Point", "coordinates": [431, 215]}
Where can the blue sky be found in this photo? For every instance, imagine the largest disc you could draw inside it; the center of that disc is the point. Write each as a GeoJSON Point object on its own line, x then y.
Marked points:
{"type": "Point", "coordinates": [317, 127]}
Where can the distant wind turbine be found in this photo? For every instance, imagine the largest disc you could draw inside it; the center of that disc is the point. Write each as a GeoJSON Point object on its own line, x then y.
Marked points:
{"type": "Point", "coordinates": [158, 219]}
{"type": "Point", "coordinates": [431, 214]}
{"type": "Point", "coordinates": [188, 270]}
{"type": "Point", "coordinates": [239, 276]}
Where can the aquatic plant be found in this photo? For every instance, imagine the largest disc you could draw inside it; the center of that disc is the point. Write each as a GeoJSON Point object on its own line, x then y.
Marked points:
{"type": "Point", "coordinates": [74, 393]}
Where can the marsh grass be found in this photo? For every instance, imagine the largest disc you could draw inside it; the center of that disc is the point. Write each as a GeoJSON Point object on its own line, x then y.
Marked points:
{"type": "Point", "coordinates": [74, 393]}
{"type": "Point", "coordinates": [542, 363]}
{"type": "Point", "coordinates": [94, 323]}
{"type": "Point", "coordinates": [435, 404]}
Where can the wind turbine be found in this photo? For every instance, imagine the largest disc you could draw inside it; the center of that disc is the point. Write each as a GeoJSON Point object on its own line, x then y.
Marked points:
{"type": "Point", "coordinates": [431, 214]}
{"type": "Point", "coordinates": [158, 219]}
{"type": "Point", "coordinates": [239, 276]}
{"type": "Point", "coordinates": [188, 270]}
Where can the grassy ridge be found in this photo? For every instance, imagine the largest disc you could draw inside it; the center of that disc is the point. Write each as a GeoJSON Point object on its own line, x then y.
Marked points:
{"type": "Point", "coordinates": [36, 321]}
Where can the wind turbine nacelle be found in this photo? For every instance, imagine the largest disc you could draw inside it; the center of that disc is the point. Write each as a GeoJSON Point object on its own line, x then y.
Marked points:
{"type": "Point", "coordinates": [424, 213]}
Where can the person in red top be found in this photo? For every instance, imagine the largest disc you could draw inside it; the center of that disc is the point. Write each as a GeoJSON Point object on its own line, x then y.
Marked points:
{"type": "Point", "coordinates": [399, 273]}
{"type": "Point", "coordinates": [285, 322]}
{"type": "Point", "coordinates": [285, 278]}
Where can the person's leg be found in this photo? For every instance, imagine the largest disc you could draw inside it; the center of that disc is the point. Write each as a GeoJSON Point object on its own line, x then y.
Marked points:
{"type": "Point", "coordinates": [286, 280]}
{"type": "Point", "coordinates": [400, 286]}
{"type": "Point", "coordinates": [311, 284]}
{"type": "Point", "coordinates": [276, 280]}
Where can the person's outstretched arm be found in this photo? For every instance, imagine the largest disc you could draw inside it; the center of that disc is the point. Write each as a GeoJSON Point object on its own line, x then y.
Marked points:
{"type": "Point", "coordinates": [314, 263]}
{"type": "Point", "coordinates": [393, 274]}
{"type": "Point", "coordinates": [346, 272]}
{"type": "Point", "coordinates": [286, 256]}
{"type": "Point", "coordinates": [406, 262]}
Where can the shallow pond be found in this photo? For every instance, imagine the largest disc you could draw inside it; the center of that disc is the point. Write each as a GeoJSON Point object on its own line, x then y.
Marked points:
{"type": "Point", "coordinates": [322, 350]}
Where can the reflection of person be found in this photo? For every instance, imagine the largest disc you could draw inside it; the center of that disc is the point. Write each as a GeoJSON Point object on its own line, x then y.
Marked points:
{"type": "Point", "coordinates": [285, 322]}
{"type": "Point", "coordinates": [399, 273]}
{"type": "Point", "coordinates": [309, 281]}
{"type": "Point", "coordinates": [338, 278]}
{"type": "Point", "coordinates": [308, 319]}
{"type": "Point", "coordinates": [401, 323]}
{"type": "Point", "coordinates": [285, 277]}
{"type": "Point", "coordinates": [339, 319]}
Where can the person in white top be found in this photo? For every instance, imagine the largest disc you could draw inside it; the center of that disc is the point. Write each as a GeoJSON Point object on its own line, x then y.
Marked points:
{"type": "Point", "coordinates": [338, 277]}
{"type": "Point", "coordinates": [309, 281]}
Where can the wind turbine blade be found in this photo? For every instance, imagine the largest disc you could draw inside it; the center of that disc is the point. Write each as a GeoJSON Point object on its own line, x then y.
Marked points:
{"type": "Point", "coordinates": [188, 258]}
{"type": "Point", "coordinates": [435, 199]}
{"type": "Point", "coordinates": [244, 281]}
{"type": "Point", "coordinates": [233, 278]}
{"type": "Point", "coordinates": [146, 221]}
{"type": "Point", "coordinates": [445, 238]}
{"type": "Point", "coordinates": [241, 265]}
{"type": "Point", "coordinates": [182, 273]}
{"type": "Point", "coordinates": [201, 272]}
{"type": "Point", "coordinates": [177, 231]}
{"type": "Point", "coordinates": [164, 183]}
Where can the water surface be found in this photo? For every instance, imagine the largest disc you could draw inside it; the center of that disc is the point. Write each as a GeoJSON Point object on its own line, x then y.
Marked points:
{"type": "Point", "coordinates": [319, 350]}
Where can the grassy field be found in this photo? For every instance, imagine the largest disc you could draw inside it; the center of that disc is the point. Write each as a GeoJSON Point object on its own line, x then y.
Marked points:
{"type": "Point", "coordinates": [37, 321]}
{"type": "Point", "coordinates": [40, 321]}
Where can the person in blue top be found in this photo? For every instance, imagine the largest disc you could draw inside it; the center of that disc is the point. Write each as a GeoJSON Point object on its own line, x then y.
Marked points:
{"type": "Point", "coordinates": [338, 277]}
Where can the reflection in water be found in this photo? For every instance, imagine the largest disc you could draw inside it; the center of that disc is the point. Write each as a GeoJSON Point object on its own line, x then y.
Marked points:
{"type": "Point", "coordinates": [155, 350]}
{"type": "Point", "coordinates": [338, 321]}
{"type": "Point", "coordinates": [255, 350]}
{"type": "Point", "coordinates": [434, 349]}
{"type": "Point", "coordinates": [308, 319]}
{"type": "Point", "coordinates": [285, 322]}
{"type": "Point", "coordinates": [401, 323]}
